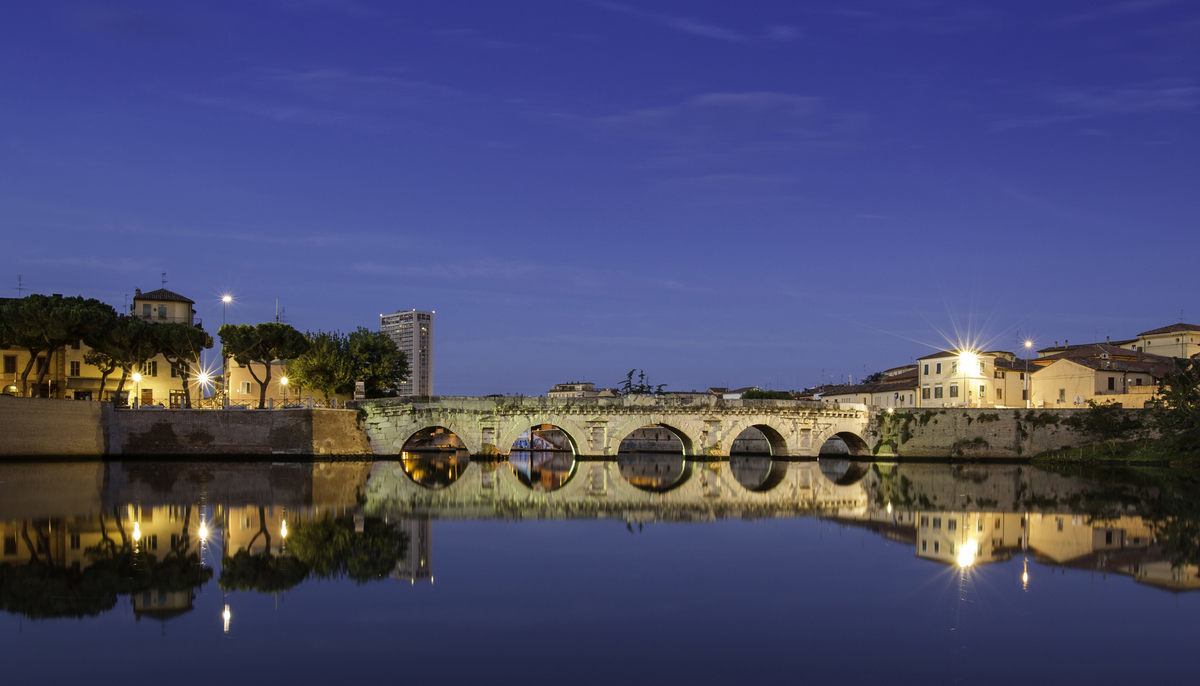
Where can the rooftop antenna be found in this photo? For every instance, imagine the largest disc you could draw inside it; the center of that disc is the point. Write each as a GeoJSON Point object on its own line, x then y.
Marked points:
{"type": "Point", "coordinates": [164, 279]}
{"type": "Point", "coordinates": [21, 290]}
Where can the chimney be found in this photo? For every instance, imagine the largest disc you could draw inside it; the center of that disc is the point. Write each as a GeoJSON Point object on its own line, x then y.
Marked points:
{"type": "Point", "coordinates": [1066, 343]}
{"type": "Point", "coordinates": [1108, 339]}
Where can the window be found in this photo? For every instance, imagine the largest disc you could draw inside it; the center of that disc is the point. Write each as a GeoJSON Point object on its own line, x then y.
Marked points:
{"type": "Point", "coordinates": [923, 542]}
{"type": "Point", "coordinates": [146, 310]}
{"type": "Point", "coordinates": [10, 364]}
{"type": "Point", "coordinates": [924, 520]}
{"type": "Point", "coordinates": [246, 387]}
{"type": "Point", "coordinates": [74, 368]}
{"type": "Point", "coordinates": [979, 526]}
{"type": "Point", "coordinates": [951, 524]}
{"type": "Point", "coordinates": [937, 391]}
{"type": "Point", "coordinates": [982, 390]}
{"type": "Point", "coordinates": [953, 390]}
{"type": "Point", "coordinates": [999, 394]}
{"type": "Point", "coordinates": [937, 522]}
{"type": "Point", "coordinates": [1058, 520]}
{"type": "Point", "coordinates": [1062, 395]}
{"type": "Point", "coordinates": [1108, 537]}
{"type": "Point", "coordinates": [1022, 376]}
{"type": "Point", "coordinates": [1024, 394]}
{"type": "Point", "coordinates": [926, 369]}
{"type": "Point", "coordinates": [1112, 383]}
{"type": "Point", "coordinates": [925, 393]}
{"type": "Point", "coordinates": [953, 367]}
{"type": "Point", "coordinates": [997, 524]}
{"type": "Point", "coordinates": [152, 368]}
{"type": "Point", "coordinates": [939, 367]}
{"type": "Point", "coordinates": [1138, 382]}
{"type": "Point", "coordinates": [935, 546]}
{"type": "Point", "coordinates": [75, 542]}
{"type": "Point", "coordinates": [162, 311]}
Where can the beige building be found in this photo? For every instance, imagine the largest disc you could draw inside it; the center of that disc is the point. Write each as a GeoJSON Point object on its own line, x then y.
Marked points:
{"type": "Point", "coordinates": [156, 382]}
{"type": "Point", "coordinates": [995, 378]}
{"type": "Point", "coordinates": [1100, 372]}
{"type": "Point", "coordinates": [1176, 340]}
{"type": "Point", "coordinates": [281, 389]}
{"type": "Point", "coordinates": [897, 388]}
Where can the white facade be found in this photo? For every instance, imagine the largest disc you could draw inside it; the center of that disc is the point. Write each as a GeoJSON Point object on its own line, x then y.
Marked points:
{"type": "Point", "coordinates": [412, 330]}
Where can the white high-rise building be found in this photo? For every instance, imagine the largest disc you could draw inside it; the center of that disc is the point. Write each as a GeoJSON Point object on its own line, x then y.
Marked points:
{"type": "Point", "coordinates": [412, 330]}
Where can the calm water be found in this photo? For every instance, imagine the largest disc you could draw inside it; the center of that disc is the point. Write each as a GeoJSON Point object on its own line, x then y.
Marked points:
{"type": "Point", "coordinates": [645, 569]}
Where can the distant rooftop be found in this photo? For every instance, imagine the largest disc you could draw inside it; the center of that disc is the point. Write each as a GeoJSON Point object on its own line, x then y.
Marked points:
{"type": "Point", "coordinates": [1174, 328]}
{"type": "Point", "coordinates": [162, 295]}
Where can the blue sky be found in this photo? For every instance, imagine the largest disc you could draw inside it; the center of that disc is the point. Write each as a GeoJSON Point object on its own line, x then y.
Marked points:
{"type": "Point", "coordinates": [770, 193]}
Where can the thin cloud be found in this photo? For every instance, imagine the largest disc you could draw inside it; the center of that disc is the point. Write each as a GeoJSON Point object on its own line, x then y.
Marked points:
{"type": "Point", "coordinates": [685, 25]}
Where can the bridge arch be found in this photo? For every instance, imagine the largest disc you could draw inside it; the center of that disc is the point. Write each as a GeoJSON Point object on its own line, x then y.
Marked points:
{"type": "Point", "coordinates": [435, 437]}
{"type": "Point", "coordinates": [625, 430]}
{"type": "Point", "coordinates": [776, 444]}
{"type": "Point", "coordinates": [845, 443]}
{"type": "Point", "coordinates": [570, 429]}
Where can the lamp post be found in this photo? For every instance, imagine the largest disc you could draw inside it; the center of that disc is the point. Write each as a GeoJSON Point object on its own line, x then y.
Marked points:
{"type": "Point", "coordinates": [137, 394]}
{"type": "Point", "coordinates": [1028, 394]}
{"type": "Point", "coordinates": [225, 300]}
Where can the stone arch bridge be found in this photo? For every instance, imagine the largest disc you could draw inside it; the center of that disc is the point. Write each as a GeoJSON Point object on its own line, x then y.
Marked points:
{"type": "Point", "coordinates": [596, 426]}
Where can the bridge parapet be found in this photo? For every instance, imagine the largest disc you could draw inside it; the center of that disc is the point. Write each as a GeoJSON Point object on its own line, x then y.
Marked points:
{"type": "Point", "coordinates": [596, 426]}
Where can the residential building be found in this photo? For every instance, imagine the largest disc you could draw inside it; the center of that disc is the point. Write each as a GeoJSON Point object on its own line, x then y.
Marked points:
{"type": "Point", "coordinates": [1101, 372]}
{"type": "Point", "coordinates": [994, 378]}
{"type": "Point", "coordinates": [897, 388]}
{"type": "Point", "coordinates": [70, 377]}
{"type": "Point", "coordinates": [573, 389]}
{"type": "Point", "coordinates": [412, 331]}
{"type": "Point", "coordinates": [1176, 340]}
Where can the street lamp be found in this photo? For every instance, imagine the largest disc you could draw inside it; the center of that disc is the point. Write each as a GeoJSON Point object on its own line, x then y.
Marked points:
{"type": "Point", "coordinates": [1028, 395]}
{"type": "Point", "coordinates": [225, 300]}
{"type": "Point", "coordinates": [967, 360]}
{"type": "Point", "coordinates": [137, 379]}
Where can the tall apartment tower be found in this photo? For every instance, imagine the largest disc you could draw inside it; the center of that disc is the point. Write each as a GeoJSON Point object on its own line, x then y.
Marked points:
{"type": "Point", "coordinates": [412, 330]}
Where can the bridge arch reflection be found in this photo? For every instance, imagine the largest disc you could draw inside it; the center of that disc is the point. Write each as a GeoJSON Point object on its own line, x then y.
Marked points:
{"type": "Point", "coordinates": [542, 470]}
{"type": "Point", "coordinates": [654, 472]}
{"type": "Point", "coordinates": [756, 473]}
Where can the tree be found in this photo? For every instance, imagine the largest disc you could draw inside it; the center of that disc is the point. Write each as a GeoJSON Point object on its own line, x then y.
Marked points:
{"type": "Point", "coordinates": [631, 387]}
{"type": "Point", "coordinates": [378, 363]}
{"type": "Point", "coordinates": [262, 344]}
{"type": "Point", "coordinates": [43, 324]}
{"type": "Point", "coordinates": [326, 366]}
{"type": "Point", "coordinates": [129, 343]}
{"type": "Point", "coordinates": [1175, 410]}
{"type": "Point", "coordinates": [181, 345]}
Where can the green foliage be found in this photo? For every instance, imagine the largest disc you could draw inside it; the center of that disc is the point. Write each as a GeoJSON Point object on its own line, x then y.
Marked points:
{"type": "Point", "coordinates": [265, 572]}
{"type": "Point", "coordinates": [42, 324]}
{"type": "Point", "coordinates": [377, 362]}
{"type": "Point", "coordinates": [873, 378]}
{"type": "Point", "coordinates": [326, 365]}
{"type": "Point", "coordinates": [639, 387]}
{"type": "Point", "coordinates": [766, 395]}
{"type": "Point", "coordinates": [332, 549]}
{"type": "Point", "coordinates": [1106, 422]}
{"type": "Point", "coordinates": [261, 344]}
{"type": "Point", "coordinates": [1175, 410]}
{"type": "Point", "coordinates": [181, 345]}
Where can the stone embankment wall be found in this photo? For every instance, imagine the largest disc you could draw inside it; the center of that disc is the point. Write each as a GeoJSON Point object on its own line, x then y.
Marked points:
{"type": "Point", "coordinates": [973, 433]}
{"type": "Point", "coordinates": [32, 427]}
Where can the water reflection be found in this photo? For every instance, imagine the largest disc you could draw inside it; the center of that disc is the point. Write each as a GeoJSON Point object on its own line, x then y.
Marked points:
{"type": "Point", "coordinates": [157, 533]}
{"type": "Point", "coordinates": [543, 470]}
{"type": "Point", "coordinates": [758, 473]}
{"type": "Point", "coordinates": [654, 472]}
{"type": "Point", "coordinates": [435, 469]}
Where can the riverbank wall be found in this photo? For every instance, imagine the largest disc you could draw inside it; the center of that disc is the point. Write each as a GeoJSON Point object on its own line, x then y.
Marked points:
{"type": "Point", "coordinates": [968, 433]}
{"type": "Point", "coordinates": [36, 427]}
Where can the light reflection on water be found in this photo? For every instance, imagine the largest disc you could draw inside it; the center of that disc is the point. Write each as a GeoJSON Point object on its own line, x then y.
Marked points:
{"type": "Point", "coordinates": [891, 543]}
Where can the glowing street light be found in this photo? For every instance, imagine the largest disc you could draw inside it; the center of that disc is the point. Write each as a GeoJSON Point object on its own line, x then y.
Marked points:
{"type": "Point", "coordinates": [968, 363]}
{"type": "Point", "coordinates": [137, 379]}
{"type": "Point", "coordinates": [225, 300]}
{"type": "Point", "coordinates": [202, 533]}
{"type": "Point", "coordinates": [1028, 395]}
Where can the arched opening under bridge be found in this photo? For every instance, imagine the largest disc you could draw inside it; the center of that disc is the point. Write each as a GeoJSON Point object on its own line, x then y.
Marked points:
{"type": "Point", "coordinates": [434, 457]}
{"type": "Point", "coordinates": [543, 457]}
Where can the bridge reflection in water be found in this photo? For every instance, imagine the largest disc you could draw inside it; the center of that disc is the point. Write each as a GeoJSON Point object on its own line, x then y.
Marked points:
{"type": "Point", "coordinates": [91, 532]}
